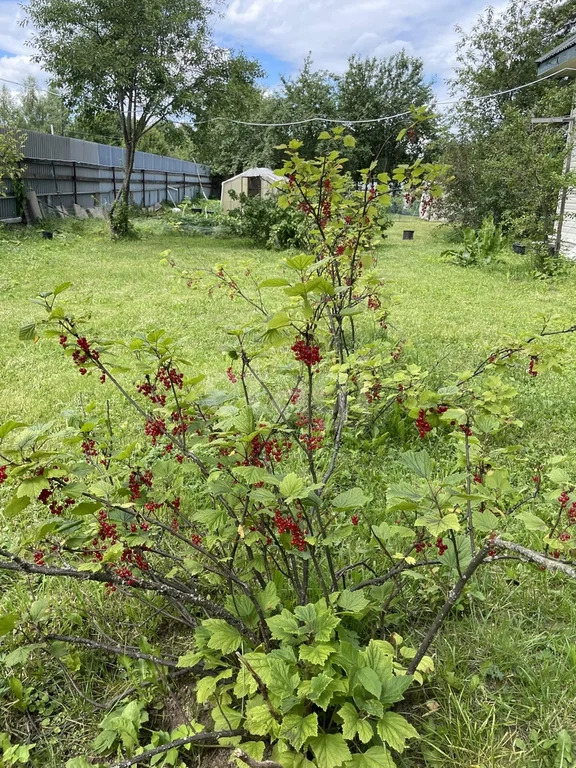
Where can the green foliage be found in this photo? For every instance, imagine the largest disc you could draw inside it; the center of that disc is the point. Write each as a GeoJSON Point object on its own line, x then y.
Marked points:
{"type": "Point", "coordinates": [155, 59]}
{"type": "Point", "coordinates": [11, 142]}
{"type": "Point", "coordinates": [269, 225]}
{"type": "Point", "coordinates": [274, 570]}
{"type": "Point", "coordinates": [478, 248]}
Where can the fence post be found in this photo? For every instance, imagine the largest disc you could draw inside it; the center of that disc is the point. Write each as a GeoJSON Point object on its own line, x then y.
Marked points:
{"type": "Point", "coordinates": [184, 182]}
{"type": "Point", "coordinates": [143, 188]}
{"type": "Point", "coordinates": [166, 174]}
{"type": "Point", "coordinates": [114, 181]}
{"type": "Point", "coordinates": [75, 180]}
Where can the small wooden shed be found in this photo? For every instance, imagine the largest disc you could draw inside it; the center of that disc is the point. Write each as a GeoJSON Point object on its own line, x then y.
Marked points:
{"type": "Point", "coordinates": [255, 182]}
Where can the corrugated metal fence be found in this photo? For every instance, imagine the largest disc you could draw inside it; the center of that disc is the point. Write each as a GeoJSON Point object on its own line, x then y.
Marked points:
{"type": "Point", "coordinates": [64, 171]}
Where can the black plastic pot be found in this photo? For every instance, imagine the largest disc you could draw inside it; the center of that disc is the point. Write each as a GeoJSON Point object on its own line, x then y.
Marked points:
{"type": "Point", "coordinates": [519, 248]}
{"type": "Point", "coordinates": [408, 234]}
{"type": "Point", "coordinates": [47, 235]}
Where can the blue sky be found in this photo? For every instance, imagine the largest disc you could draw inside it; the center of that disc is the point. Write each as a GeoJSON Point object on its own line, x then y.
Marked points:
{"type": "Point", "coordinates": [280, 33]}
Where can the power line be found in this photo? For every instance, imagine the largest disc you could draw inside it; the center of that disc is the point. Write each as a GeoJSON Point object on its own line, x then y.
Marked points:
{"type": "Point", "coordinates": [344, 121]}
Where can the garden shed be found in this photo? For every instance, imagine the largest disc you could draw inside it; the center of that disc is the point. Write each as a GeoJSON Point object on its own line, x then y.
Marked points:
{"type": "Point", "coordinates": [255, 182]}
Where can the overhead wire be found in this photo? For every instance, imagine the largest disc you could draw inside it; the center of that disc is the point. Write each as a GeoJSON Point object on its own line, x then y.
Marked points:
{"type": "Point", "coordinates": [341, 120]}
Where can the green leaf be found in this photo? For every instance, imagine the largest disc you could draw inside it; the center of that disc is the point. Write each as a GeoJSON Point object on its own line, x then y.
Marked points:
{"type": "Point", "coordinates": [283, 626]}
{"type": "Point", "coordinates": [279, 320]}
{"type": "Point", "coordinates": [28, 332]}
{"type": "Point", "coordinates": [10, 426]}
{"type": "Point", "coordinates": [16, 506]}
{"type": "Point", "coordinates": [316, 654]}
{"type": "Point", "coordinates": [351, 499]}
{"type": "Point", "coordinates": [330, 750]}
{"type": "Point", "coordinates": [297, 729]}
{"type": "Point", "coordinates": [269, 599]}
{"type": "Point", "coordinates": [260, 721]}
{"type": "Point", "coordinates": [394, 687]}
{"type": "Point", "coordinates": [205, 689]}
{"type": "Point", "coordinates": [532, 522]}
{"type": "Point", "coordinates": [379, 656]}
{"type": "Point", "coordinates": [353, 724]}
{"type": "Point", "coordinates": [324, 136]}
{"type": "Point", "coordinates": [291, 486]}
{"type": "Point", "coordinates": [349, 141]}
{"type": "Point", "coordinates": [485, 521]}
{"type": "Point", "coordinates": [61, 288]}
{"type": "Point", "coordinates": [375, 757]}
{"type": "Point", "coordinates": [7, 623]}
{"type": "Point", "coordinates": [394, 730]}
{"type": "Point", "coordinates": [223, 636]}
{"type": "Point", "coordinates": [190, 659]}
{"type": "Point", "coordinates": [353, 602]}
{"type": "Point", "coordinates": [419, 463]}
{"type": "Point", "coordinates": [437, 526]}
{"type": "Point", "coordinates": [370, 681]}
{"type": "Point", "coordinates": [274, 282]}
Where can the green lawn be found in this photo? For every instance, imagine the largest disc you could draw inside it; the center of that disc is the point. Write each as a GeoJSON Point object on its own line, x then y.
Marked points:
{"type": "Point", "coordinates": [506, 688]}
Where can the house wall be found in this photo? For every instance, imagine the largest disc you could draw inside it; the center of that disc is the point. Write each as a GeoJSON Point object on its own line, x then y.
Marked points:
{"type": "Point", "coordinates": [568, 244]}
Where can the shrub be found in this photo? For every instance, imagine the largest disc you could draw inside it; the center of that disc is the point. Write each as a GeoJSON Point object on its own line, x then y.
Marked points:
{"type": "Point", "coordinates": [478, 248]}
{"type": "Point", "coordinates": [226, 512]}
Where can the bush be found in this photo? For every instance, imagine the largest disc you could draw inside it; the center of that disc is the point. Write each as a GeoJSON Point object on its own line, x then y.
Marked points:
{"type": "Point", "coordinates": [266, 224]}
{"type": "Point", "coordinates": [227, 514]}
{"type": "Point", "coordinates": [478, 248]}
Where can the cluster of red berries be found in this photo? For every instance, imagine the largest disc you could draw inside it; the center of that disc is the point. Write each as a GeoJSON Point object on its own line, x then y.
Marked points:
{"type": "Point", "coordinates": [477, 479]}
{"type": "Point", "coordinates": [295, 396]}
{"type": "Point", "coordinates": [396, 354]}
{"type": "Point", "coordinates": [466, 429]}
{"type": "Point", "coordinates": [154, 428]}
{"type": "Point", "coordinates": [306, 353]}
{"type": "Point", "coordinates": [421, 545]}
{"type": "Point", "coordinates": [532, 366]}
{"type": "Point", "coordinates": [107, 530]}
{"type": "Point", "coordinates": [231, 375]}
{"type": "Point", "coordinates": [563, 499]}
{"type": "Point", "coordinates": [441, 546]}
{"type": "Point", "coordinates": [39, 557]}
{"type": "Point", "coordinates": [374, 392]}
{"type": "Point", "coordinates": [355, 519]}
{"type": "Point", "coordinates": [3, 474]}
{"type": "Point", "coordinates": [304, 207]}
{"type": "Point", "coordinates": [422, 424]}
{"type": "Point", "coordinates": [134, 557]}
{"type": "Point", "coordinates": [196, 539]}
{"type": "Point", "coordinates": [374, 302]}
{"type": "Point", "coordinates": [89, 448]}
{"type": "Point", "coordinates": [170, 377]}
{"type": "Point", "coordinates": [564, 536]}
{"type": "Point", "coordinates": [288, 525]}
{"type": "Point", "coordinates": [136, 481]}
{"type": "Point", "coordinates": [183, 420]}
{"type": "Point", "coordinates": [56, 509]}
{"type": "Point", "coordinates": [314, 439]}
{"type": "Point", "coordinates": [81, 355]}
{"type": "Point", "coordinates": [149, 391]}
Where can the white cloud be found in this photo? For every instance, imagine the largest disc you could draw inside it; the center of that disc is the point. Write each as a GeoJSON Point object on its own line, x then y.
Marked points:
{"type": "Point", "coordinates": [333, 30]}
{"type": "Point", "coordinates": [13, 35]}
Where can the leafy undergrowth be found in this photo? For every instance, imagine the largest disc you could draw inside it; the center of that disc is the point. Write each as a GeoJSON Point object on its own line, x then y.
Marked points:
{"type": "Point", "coordinates": [506, 696]}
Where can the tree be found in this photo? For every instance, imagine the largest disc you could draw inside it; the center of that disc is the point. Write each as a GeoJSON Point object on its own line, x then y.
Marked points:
{"type": "Point", "coordinates": [501, 164]}
{"type": "Point", "coordinates": [375, 87]}
{"type": "Point", "coordinates": [143, 59]}
{"type": "Point", "coordinates": [11, 142]}
{"type": "Point", "coordinates": [34, 109]}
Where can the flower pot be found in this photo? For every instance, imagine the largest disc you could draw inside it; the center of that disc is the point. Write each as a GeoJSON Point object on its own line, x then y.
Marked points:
{"type": "Point", "coordinates": [519, 248]}
{"type": "Point", "coordinates": [408, 234]}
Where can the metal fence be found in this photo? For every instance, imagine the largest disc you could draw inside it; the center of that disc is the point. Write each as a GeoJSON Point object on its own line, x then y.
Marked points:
{"type": "Point", "coordinates": [64, 171]}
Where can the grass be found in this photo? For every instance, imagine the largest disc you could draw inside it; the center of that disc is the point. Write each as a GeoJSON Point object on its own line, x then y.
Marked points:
{"type": "Point", "coordinates": [505, 694]}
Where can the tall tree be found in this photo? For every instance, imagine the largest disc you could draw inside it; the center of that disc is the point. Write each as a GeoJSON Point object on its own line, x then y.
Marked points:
{"type": "Point", "coordinates": [501, 164]}
{"type": "Point", "coordinates": [143, 59]}
{"type": "Point", "coordinates": [372, 88]}
{"type": "Point", "coordinates": [34, 109]}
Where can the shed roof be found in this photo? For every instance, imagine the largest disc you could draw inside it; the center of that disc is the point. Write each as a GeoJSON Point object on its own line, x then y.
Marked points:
{"type": "Point", "coordinates": [264, 173]}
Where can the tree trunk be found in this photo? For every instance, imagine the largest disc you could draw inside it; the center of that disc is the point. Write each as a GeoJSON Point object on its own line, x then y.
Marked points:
{"type": "Point", "coordinates": [120, 225]}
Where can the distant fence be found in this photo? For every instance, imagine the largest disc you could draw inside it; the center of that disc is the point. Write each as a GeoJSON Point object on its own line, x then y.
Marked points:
{"type": "Point", "coordinates": [63, 171]}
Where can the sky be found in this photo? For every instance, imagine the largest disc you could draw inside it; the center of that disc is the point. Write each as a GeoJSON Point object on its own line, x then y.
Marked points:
{"type": "Point", "coordinates": [280, 33]}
